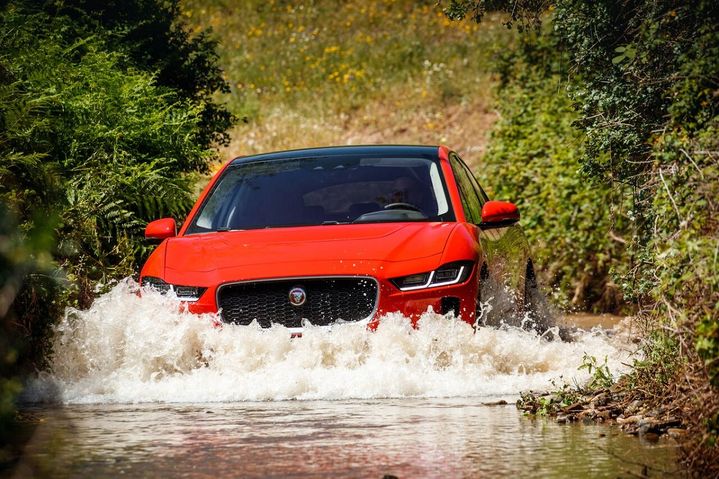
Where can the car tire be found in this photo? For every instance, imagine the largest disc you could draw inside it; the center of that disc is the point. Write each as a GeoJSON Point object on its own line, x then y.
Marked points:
{"type": "Point", "coordinates": [536, 313]}
{"type": "Point", "coordinates": [496, 303]}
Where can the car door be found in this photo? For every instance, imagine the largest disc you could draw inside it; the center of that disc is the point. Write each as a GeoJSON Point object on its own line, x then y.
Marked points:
{"type": "Point", "coordinates": [506, 250]}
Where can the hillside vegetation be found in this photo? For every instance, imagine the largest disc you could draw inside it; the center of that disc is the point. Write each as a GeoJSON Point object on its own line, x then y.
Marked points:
{"type": "Point", "coordinates": [642, 79]}
{"type": "Point", "coordinates": [324, 72]}
{"type": "Point", "coordinates": [106, 122]}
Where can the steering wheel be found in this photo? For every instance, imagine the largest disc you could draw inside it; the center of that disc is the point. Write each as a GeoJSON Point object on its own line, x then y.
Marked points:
{"type": "Point", "coordinates": [402, 206]}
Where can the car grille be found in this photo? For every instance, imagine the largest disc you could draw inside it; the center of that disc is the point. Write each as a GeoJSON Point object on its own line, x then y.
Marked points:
{"type": "Point", "coordinates": [328, 300]}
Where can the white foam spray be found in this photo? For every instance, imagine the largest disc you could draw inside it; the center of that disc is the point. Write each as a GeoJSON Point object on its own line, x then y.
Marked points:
{"type": "Point", "coordinates": [128, 348]}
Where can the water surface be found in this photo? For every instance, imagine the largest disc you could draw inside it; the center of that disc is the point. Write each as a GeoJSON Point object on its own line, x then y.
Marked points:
{"type": "Point", "coordinates": [139, 388]}
{"type": "Point", "coordinates": [407, 438]}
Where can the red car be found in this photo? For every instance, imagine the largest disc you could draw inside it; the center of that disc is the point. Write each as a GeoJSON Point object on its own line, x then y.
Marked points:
{"type": "Point", "coordinates": [344, 234]}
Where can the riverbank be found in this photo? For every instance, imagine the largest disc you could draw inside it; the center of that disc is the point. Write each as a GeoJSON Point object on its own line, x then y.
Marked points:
{"type": "Point", "coordinates": [618, 404]}
{"type": "Point", "coordinates": [681, 411]}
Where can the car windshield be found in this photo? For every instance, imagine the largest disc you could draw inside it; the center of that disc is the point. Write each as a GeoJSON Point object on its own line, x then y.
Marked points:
{"type": "Point", "coordinates": [327, 190]}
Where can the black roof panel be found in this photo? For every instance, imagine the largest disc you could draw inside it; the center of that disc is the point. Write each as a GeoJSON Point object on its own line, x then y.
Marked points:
{"type": "Point", "coordinates": [412, 151]}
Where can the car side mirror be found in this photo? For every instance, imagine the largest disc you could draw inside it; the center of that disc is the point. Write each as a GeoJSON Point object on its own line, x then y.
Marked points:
{"type": "Point", "coordinates": [498, 214]}
{"type": "Point", "coordinates": [161, 229]}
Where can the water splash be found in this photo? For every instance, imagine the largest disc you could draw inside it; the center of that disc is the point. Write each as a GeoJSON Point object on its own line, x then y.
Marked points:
{"type": "Point", "coordinates": [127, 349]}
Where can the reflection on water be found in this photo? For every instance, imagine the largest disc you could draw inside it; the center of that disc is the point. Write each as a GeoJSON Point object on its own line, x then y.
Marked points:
{"type": "Point", "coordinates": [456, 437]}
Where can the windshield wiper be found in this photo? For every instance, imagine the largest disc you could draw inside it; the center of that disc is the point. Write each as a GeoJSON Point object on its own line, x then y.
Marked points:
{"type": "Point", "coordinates": [390, 216]}
{"type": "Point", "coordinates": [224, 229]}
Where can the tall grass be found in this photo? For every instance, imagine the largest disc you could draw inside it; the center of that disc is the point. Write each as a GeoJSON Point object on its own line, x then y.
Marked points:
{"type": "Point", "coordinates": [325, 72]}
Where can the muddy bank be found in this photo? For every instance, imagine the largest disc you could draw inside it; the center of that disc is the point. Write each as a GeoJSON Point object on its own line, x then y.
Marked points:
{"type": "Point", "coordinates": [615, 405]}
{"type": "Point", "coordinates": [587, 321]}
{"type": "Point", "coordinates": [621, 403]}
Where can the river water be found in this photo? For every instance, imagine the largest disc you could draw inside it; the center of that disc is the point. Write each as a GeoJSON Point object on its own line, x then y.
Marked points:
{"type": "Point", "coordinates": [139, 388]}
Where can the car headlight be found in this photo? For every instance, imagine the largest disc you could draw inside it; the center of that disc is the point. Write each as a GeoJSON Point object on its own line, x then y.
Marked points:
{"type": "Point", "coordinates": [184, 293]}
{"type": "Point", "coordinates": [450, 273]}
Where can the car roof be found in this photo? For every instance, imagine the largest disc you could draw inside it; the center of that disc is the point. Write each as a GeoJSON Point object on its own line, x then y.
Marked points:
{"type": "Point", "coordinates": [390, 151]}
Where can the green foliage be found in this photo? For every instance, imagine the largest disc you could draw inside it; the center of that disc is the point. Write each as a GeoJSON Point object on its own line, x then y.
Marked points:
{"type": "Point", "coordinates": [105, 120]}
{"type": "Point", "coordinates": [685, 268]}
{"type": "Point", "coordinates": [151, 36]}
{"type": "Point", "coordinates": [523, 13]}
{"type": "Point", "coordinates": [101, 143]}
{"type": "Point", "coordinates": [601, 377]}
{"type": "Point", "coordinates": [643, 78]}
{"type": "Point", "coordinates": [659, 362]}
{"type": "Point", "coordinates": [574, 223]}
{"type": "Point", "coordinates": [92, 138]}
{"type": "Point", "coordinates": [651, 117]}
{"type": "Point", "coordinates": [22, 255]}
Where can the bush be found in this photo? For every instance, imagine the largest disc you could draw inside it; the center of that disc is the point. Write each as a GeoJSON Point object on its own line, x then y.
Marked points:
{"type": "Point", "coordinates": [644, 83]}
{"type": "Point", "coordinates": [99, 143]}
{"type": "Point", "coordinates": [575, 224]}
{"type": "Point", "coordinates": [92, 141]}
{"type": "Point", "coordinates": [105, 122]}
{"type": "Point", "coordinates": [152, 37]}
{"type": "Point", "coordinates": [24, 259]}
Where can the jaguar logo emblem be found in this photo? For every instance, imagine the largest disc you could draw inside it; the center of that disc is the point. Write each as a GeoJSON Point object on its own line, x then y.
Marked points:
{"type": "Point", "coordinates": [297, 296]}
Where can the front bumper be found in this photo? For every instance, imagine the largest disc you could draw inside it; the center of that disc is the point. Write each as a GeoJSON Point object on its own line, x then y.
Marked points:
{"type": "Point", "coordinates": [458, 298]}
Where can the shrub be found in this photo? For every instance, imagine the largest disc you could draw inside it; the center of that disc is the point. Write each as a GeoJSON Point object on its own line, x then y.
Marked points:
{"type": "Point", "coordinates": [152, 37]}
{"type": "Point", "coordinates": [644, 82]}
{"type": "Point", "coordinates": [24, 259]}
{"type": "Point", "coordinates": [94, 142]}
{"type": "Point", "coordinates": [576, 225]}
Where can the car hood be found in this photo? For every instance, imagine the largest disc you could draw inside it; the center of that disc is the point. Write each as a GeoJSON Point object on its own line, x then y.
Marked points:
{"type": "Point", "coordinates": [382, 242]}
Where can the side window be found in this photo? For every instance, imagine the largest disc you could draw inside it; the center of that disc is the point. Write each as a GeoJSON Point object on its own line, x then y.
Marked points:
{"type": "Point", "coordinates": [483, 194]}
{"type": "Point", "coordinates": [483, 198]}
{"type": "Point", "coordinates": [471, 204]}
